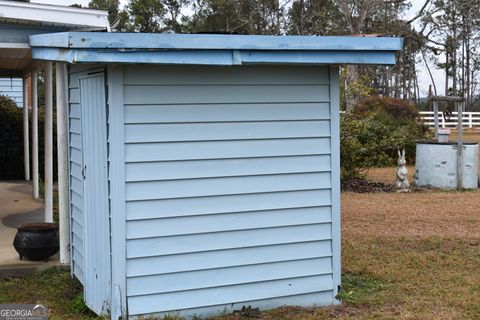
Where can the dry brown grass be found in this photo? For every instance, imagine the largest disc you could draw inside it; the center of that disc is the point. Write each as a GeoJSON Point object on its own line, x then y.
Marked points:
{"type": "Point", "coordinates": [387, 175]}
{"type": "Point", "coordinates": [426, 246]}
{"type": "Point", "coordinates": [412, 215]}
{"type": "Point", "coordinates": [469, 135]}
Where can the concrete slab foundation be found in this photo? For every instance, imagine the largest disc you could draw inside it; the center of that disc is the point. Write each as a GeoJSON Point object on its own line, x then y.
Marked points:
{"type": "Point", "coordinates": [17, 206]}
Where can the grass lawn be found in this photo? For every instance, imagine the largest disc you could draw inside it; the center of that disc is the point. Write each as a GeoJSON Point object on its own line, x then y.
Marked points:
{"type": "Point", "coordinates": [404, 256]}
{"type": "Point", "coordinates": [469, 135]}
{"type": "Point", "coordinates": [53, 287]}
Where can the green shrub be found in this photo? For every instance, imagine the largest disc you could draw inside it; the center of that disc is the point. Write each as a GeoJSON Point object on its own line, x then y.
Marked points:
{"type": "Point", "coordinates": [371, 134]}
{"type": "Point", "coordinates": [391, 109]}
{"type": "Point", "coordinates": [11, 140]}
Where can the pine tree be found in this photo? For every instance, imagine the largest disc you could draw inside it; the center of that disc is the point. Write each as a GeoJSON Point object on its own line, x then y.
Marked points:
{"type": "Point", "coordinates": [146, 15]}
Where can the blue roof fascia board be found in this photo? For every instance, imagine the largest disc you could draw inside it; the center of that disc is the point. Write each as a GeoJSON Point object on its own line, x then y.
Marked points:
{"type": "Point", "coordinates": [58, 40]}
{"type": "Point", "coordinates": [319, 57]}
{"type": "Point", "coordinates": [213, 57]}
{"type": "Point", "coordinates": [92, 40]}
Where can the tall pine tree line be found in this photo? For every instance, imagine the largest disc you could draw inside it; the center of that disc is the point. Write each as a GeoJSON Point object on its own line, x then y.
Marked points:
{"type": "Point", "coordinates": [444, 33]}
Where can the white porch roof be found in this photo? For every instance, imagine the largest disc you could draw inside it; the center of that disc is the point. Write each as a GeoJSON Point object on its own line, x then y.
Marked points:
{"type": "Point", "coordinates": [53, 16]}
{"type": "Point", "coordinates": [19, 20]}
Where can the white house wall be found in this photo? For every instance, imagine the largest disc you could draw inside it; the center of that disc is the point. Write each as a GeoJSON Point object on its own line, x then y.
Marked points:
{"type": "Point", "coordinates": [229, 188]}
{"type": "Point", "coordinates": [12, 88]}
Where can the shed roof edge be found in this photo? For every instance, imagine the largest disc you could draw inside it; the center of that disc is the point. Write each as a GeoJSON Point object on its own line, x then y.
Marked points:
{"type": "Point", "coordinates": [89, 40]}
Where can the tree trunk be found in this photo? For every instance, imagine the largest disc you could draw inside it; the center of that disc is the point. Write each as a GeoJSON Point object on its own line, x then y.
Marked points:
{"type": "Point", "coordinates": [467, 70]}
{"type": "Point", "coordinates": [351, 97]}
{"type": "Point", "coordinates": [446, 71]}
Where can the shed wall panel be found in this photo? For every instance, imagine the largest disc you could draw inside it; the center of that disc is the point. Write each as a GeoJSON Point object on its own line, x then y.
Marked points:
{"type": "Point", "coordinates": [164, 208]}
{"type": "Point", "coordinates": [305, 299]}
{"type": "Point", "coordinates": [228, 186]}
{"type": "Point", "coordinates": [219, 277]}
{"type": "Point", "coordinates": [201, 94]}
{"type": "Point", "coordinates": [179, 263]}
{"type": "Point", "coordinates": [225, 112]}
{"type": "Point", "coordinates": [199, 75]}
{"type": "Point", "coordinates": [226, 294]}
{"type": "Point", "coordinates": [143, 152]}
{"type": "Point", "coordinates": [226, 131]}
{"type": "Point", "coordinates": [166, 170]}
{"type": "Point", "coordinates": [235, 221]}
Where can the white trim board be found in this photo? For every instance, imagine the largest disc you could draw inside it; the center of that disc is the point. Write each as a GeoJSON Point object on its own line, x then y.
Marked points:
{"type": "Point", "coordinates": [51, 15]}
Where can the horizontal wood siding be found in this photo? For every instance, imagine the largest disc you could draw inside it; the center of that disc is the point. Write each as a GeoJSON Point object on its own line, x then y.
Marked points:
{"type": "Point", "coordinates": [12, 88]}
{"type": "Point", "coordinates": [228, 187]}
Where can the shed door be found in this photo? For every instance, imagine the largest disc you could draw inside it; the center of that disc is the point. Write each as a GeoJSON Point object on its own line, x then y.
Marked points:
{"type": "Point", "coordinates": [97, 229]}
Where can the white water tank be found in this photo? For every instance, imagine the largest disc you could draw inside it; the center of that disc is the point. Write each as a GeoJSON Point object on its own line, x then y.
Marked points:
{"type": "Point", "coordinates": [436, 165]}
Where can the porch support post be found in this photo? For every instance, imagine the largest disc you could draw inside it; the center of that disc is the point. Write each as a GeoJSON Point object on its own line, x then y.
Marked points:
{"type": "Point", "coordinates": [62, 153]}
{"type": "Point", "coordinates": [48, 144]}
{"type": "Point", "coordinates": [35, 135]}
{"type": "Point", "coordinates": [26, 139]}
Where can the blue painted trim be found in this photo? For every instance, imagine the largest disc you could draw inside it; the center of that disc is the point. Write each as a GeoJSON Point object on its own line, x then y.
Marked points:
{"type": "Point", "coordinates": [69, 170]}
{"type": "Point", "coordinates": [117, 191]}
{"type": "Point", "coordinates": [319, 57]}
{"type": "Point", "coordinates": [213, 42]}
{"type": "Point", "coordinates": [214, 57]}
{"type": "Point", "coordinates": [335, 172]}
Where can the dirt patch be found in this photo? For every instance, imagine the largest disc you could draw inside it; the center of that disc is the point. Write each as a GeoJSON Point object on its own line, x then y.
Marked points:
{"type": "Point", "coordinates": [365, 186]}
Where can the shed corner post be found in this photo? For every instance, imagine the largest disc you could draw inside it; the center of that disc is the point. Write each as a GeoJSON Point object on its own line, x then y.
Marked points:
{"type": "Point", "coordinates": [62, 155]}
{"type": "Point", "coordinates": [335, 178]}
{"type": "Point", "coordinates": [116, 174]}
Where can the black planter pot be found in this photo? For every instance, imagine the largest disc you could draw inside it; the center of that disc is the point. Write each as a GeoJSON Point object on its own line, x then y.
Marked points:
{"type": "Point", "coordinates": [37, 241]}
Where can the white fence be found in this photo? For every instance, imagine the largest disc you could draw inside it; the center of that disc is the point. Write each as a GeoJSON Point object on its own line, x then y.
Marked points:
{"type": "Point", "coordinates": [469, 119]}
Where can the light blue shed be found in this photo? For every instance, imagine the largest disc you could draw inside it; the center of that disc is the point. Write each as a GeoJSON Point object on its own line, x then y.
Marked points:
{"type": "Point", "coordinates": [204, 169]}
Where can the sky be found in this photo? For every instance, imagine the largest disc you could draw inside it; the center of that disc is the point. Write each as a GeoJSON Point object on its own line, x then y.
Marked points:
{"type": "Point", "coordinates": [423, 77]}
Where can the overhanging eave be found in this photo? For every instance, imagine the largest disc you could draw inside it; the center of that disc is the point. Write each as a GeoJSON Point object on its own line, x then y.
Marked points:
{"type": "Point", "coordinates": [213, 57]}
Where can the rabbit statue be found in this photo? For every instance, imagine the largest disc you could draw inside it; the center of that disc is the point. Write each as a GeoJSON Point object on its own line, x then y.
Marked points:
{"type": "Point", "coordinates": [401, 183]}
